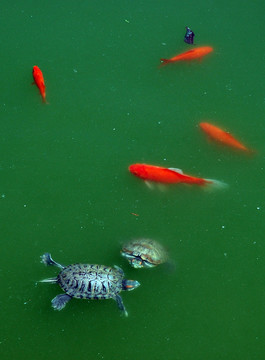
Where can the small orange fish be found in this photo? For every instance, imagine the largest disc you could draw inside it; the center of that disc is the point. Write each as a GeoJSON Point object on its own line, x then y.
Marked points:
{"type": "Point", "coordinates": [39, 81]}
{"type": "Point", "coordinates": [222, 136]}
{"type": "Point", "coordinates": [168, 175]}
{"type": "Point", "coordinates": [189, 55]}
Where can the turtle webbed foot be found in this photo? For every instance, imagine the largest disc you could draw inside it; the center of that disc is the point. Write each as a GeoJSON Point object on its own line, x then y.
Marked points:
{"type": "Point", "coordinates": [48, 260]}
{"type": "Point", "coordinates": [59, 302]}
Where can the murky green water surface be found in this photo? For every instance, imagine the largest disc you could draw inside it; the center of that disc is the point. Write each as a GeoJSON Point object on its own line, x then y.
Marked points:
{"type": "Point", "coordinates": [65, 187]}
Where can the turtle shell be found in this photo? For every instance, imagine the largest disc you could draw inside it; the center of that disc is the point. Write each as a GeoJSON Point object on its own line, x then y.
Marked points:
{"type": "Point", "coordinates": [90, 281]}
{"type": "Point", "coordinates": [144, 253]}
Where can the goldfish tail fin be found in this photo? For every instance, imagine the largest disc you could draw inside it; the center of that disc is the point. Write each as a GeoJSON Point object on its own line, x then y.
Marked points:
{"type": "Point", "coordinates": [251, 152]}
{"type": "Point", "coordinates": [164, 61]}
{"type": "Point", "coordinates": [212, 184]}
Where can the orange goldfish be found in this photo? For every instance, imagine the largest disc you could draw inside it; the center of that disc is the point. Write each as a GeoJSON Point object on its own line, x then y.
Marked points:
{"type": "Point", "coordinates": [168, 175]}
{"type": "Point", "coordinates": [39, 80]}
{"type": "Point", "coordinates": [189, 55]}
{"type": "Point", "coordinates": [222, 136]}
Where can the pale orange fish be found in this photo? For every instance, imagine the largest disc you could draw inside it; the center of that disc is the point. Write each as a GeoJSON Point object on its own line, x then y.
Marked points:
{"type": "Point", "coordinates": [189, 55]}
{"type": "Point", "coordinates": [222, 136]}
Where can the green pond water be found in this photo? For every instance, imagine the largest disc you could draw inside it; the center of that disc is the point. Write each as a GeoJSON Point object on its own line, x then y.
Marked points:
{"type": "Point", "coordinates": [65, 187]}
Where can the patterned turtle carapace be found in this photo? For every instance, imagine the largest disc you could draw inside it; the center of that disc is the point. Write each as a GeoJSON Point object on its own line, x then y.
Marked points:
{"type": "Point", "coordinates": [88, 281]}
{"type": "Point", "coordinates": [144, 253]}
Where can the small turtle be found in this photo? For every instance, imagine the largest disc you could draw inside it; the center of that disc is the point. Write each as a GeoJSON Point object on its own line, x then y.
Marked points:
{"type": "Point", "coordinates": [88, 281]}
{"type": "Point", "coordinates": [188, 38]}
{"type": "Point", "coordinates": [144, 253]}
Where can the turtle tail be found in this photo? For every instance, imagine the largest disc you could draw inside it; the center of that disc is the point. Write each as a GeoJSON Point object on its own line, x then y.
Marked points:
{"type": "Point", "coordinates": [47, 260]}
{"type": "Point", "coordinates": [50, 280]}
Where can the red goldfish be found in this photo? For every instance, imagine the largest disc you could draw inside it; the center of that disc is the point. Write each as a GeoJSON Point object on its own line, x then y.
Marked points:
{"type": "Point", "coordinates": [39, 80]}
{"type": "Point", "coordinates": [189, 55]}
{"type": "Point", "coordinates": [168, 175]}
{"type": "Point", "coordinates": [222, 136]}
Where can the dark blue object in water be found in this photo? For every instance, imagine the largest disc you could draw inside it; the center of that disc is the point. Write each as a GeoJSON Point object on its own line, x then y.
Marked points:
{"type": "Point", "coordinates": [188, 38]}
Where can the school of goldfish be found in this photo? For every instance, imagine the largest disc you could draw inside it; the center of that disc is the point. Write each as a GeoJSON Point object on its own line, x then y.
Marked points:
{"type": "Point", "coordinates": [152, 173]}
{"type": "Point", "coordinates": [158, 174]}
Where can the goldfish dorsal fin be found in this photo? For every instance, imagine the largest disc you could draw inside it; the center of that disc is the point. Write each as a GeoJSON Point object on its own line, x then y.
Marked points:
{"type": "Point", "coordinates": [179, 171]}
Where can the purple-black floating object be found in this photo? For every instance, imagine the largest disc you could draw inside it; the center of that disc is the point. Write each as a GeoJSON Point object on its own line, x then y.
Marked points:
{"type": "Point", "coordinates": [188, 38]}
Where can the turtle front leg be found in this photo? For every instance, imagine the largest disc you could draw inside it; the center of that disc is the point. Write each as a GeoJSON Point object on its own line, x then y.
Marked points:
{"type": "Point", "coordinates": [59, 302]}
{"type": "Point", "coordinates": [119, 269]}
{"type": "Point", "coordinates": [119, 301]}
{"type": "Point", "coordinates": [48, 260]}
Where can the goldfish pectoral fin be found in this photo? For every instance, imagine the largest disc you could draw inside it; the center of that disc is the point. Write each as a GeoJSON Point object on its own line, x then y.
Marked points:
{"type": "Point", "coordinates": [149, 184]}
{"type": "Point", "coordinates": [155, 186]}
{"type": "Point", "coordinates": [162, 187]}
{"type": "Point", "coordinates": [179, 171]}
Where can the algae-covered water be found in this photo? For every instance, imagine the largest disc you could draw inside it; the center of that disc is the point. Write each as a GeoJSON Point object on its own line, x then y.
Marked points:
{"type": "Point", "coordinates": [65, 187]}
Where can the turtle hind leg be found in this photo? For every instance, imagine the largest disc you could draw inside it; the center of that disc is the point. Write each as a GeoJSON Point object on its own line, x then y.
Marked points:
{"type": "Point", "coordinates": [59, 302]}
{"type": "Point", "coordinates": [48, 260]}
{"type": "Point", "coordinates": [119, 301]}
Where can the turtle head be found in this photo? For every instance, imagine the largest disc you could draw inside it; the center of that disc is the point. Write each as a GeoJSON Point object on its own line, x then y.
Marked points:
{"type": "Point", "coordinates": [130, 284]}
{"type": "Point", "coordinates": [134, 261]}
{"type": "Point", "coordinates": [137, 261]}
